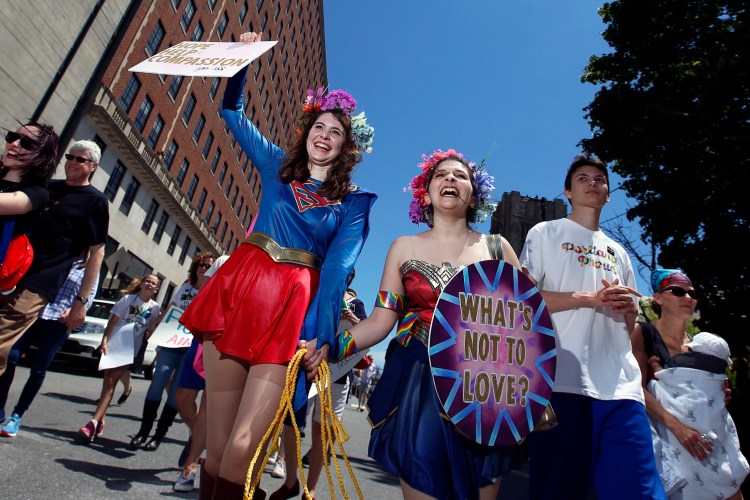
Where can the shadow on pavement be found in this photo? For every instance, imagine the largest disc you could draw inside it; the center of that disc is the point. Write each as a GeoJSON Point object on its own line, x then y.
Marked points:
{"type": "Point", "coordinates": [116, 478]}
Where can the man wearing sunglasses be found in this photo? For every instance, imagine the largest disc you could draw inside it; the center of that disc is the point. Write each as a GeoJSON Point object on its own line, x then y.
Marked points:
{"type": "Point", "coordinates": [75, 221]}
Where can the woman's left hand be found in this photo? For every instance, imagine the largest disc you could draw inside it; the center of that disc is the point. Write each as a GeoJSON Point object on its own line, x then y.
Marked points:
{"type": "Point", "coordinates": [250, 37]}
{"type": "Point", "coordinates": [313, 357]}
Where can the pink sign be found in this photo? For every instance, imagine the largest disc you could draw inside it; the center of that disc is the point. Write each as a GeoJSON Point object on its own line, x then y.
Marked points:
{"type": "Point", "coordinates": [492, 353]}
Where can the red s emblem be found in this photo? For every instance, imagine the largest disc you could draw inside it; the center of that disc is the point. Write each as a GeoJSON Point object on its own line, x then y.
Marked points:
{"type": "Point", "coordinates": [307, 198]}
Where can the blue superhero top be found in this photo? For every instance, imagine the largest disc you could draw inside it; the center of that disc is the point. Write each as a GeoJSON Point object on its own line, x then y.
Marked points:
{"type": "Point", "coordinates": [296, 216]}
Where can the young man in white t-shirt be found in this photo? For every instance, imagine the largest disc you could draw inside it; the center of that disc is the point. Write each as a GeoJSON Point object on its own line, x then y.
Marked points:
{"type": "Point", "coordinates": [588, 283]}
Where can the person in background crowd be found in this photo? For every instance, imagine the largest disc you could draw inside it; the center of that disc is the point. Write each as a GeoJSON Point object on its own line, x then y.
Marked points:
{"type": "Point", "coordinates": [169, 365]}
{"type": "Point", "coordinates": [351, 314]}
{"type": "Point", "coordinates": [138, 308]}
{"type": "Point", "coordinates": [310, 229]}
{"type": "Point", "coordinates": [48, 334]}
{"type": "Point", "coordinates": [412, 437]}
{"type": "Point", "coordinates": [192, 381]}
{"type": "Point", "coordinates": [76, 220]}
{"type": "Point", "coordinates": [588, 283]}
{"type": "Point", "coordinates": [692, 413]}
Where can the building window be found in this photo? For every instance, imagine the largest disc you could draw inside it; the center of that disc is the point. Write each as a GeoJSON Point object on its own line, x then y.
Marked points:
{"type": "Point", "coordinates": [215, 161]}
{"type": "Point", "coordinates": [265, 100]}
{"type": "Point", "coordinates": [257, 71]}
{"type": "Point", "coordinates": [157, 36]}
{"type": "Point", "coordinates": [176, 3]}
{"type": "Point", "coordinates": [259, 6]}
{"type": "Point", "coordinates": [201, 201]}
{"type": "Point", "coordinates": [223, 174]}
{"type": "Point", "coordinates": [192, 188]}
{"type": "Point", "coordinates": [264, 22]}
{"type": "Point", "coordinates": [244, 216]}
{"type": "Point", "coordinates": [113, 184]}
{"type": "Point", "coordinates": [222, 27]}
{"type": "Point", "coordinates": [210, 213]}
{"type": "Point", "coordinates": [170, 154]}
{"type": "Point", "coordinates": [174, 87]}
{"type": "Point", "coordinates": [185, 249]}
{"type": "Point", "coordinates": [223, 232]}
{"type": "Point", "coordinates": [212, 4]}
{"type": "Point", "coordinates": [197, 32]}
{"type": "Point", "coordinates": [161, 226]}
{"type": "Point", "coordinates": [199, 128]}
{"type": "Point", "coordinates": [188, 110]}
{"type": "Point", "coordinates": [234, 195]}
{"type": "Point", "coordinates": [150, 216]}
{"type": "Point", "coordinates": [218, 221]}
{"type": "Point", "coordinates": [130, 192]}
{"type": "Point", "coordinates": [182, 172]}
{"type": "Point", "coordinates": [239, 208]}
{"type": "Point", "coordinates": [207, 145]}
{"type": "Point", "coordinates": [173, 242]}
{"type": "Point", "coordinates": [261, 85]}
{"type": "Point", "coordinates": [156, 128]}
{"type": "Point", "coordinates": [243, 13]}
{"type": "Point", "coordinates": [277, 12]}
{"type": "Point", "coordinates": [187, 16]}
{"type": "Point", "coordinates": [229, 186]}
{"type": "Point", "coordinates": [214, 88]}
{"type": "Point", "coordinates": [128, 95]}
{"type": "Point", "coordinates": [142, 117]}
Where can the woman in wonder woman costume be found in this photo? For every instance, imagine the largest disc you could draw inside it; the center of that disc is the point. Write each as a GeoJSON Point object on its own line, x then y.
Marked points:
{"type": "Point", "coordinates": [411, 435]}
{"type": "Point", "coordinates": [285, 282]}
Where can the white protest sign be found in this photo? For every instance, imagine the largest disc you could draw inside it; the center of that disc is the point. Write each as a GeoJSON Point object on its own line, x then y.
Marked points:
{"type": "Point", "coordinates": [203, 59]}
{"type": "Point", "coordinates": [170, 333]}
{"type": "Point", "coordinates": [120, 348]}
{"type": "Point", "coordinates": [340, 369]}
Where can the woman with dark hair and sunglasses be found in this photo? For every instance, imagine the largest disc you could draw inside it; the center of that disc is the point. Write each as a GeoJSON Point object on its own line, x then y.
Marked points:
{"type": "Point", "coordinates": [665, 343]}
{"type": "Point", "coordinates": [285, 282]}
{"type": "Point", "coordinates": [26, 167]}
{"type": "Point", "coordinates": [169, 364]}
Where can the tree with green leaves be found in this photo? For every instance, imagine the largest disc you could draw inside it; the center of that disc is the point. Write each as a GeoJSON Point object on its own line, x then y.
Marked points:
{"type": "Point", "coordinates": [672, 117]}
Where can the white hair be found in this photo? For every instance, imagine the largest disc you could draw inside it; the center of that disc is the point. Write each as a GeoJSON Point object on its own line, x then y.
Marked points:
{"type": "Point", "coordinates": [89, 147]}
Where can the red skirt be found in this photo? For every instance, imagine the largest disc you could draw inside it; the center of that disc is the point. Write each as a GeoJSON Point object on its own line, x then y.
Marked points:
{"type": "Point", "coordinates": [253, 308]}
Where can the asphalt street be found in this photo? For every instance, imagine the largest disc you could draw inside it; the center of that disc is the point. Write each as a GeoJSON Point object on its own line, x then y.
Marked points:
{"type": "Point", "coordinates": [47, 460]}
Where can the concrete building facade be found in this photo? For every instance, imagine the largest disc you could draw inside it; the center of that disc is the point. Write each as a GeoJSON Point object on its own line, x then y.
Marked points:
{"type": "Point", "coordinates": [517, 213]}
{"type": "Point", "coordinates": [176, 179]}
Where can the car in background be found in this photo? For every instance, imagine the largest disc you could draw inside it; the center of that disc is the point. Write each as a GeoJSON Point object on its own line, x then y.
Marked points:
{"type": "Point", "coordinates": [83, 342]}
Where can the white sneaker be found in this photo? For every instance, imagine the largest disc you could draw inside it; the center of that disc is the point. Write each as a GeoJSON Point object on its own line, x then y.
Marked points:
{"type": "Point", "coordinates": [279, 470]}
{"type": "Point", "coordinates": [274, 456]}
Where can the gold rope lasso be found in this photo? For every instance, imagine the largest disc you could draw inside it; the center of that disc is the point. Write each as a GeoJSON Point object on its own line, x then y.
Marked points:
{"type": "Point", "coordinates": [331, 430]}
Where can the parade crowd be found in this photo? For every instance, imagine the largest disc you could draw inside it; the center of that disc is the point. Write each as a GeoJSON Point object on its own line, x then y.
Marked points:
{"type": "Point", "coordinates": [639, 409]}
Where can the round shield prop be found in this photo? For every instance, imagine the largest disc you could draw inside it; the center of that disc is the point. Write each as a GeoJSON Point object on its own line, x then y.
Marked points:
{"type": "Point", "coordinates": [492, 353]}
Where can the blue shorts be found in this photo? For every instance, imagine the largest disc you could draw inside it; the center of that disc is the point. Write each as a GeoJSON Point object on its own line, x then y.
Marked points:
{"type": "Point", "coordinates": [189, 378]}
{"type": "Point", "coordinates": [607, 442]}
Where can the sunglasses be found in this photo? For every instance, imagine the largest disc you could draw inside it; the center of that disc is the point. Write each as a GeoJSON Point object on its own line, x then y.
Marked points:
{"type": "Point", "coordinates": [204, 265]}
{"type": "Point", "coordinates": [681, 292]}
{"type": "Point", "coordinates": [77, 159]}
{"type": "Point", "coordinates": [26, 142]}
{"type": "Point", "coordinates": [150, 282]}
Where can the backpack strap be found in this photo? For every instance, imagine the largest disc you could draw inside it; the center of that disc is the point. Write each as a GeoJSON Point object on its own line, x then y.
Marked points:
{"type": "Point", "coordinates": [5, 237]}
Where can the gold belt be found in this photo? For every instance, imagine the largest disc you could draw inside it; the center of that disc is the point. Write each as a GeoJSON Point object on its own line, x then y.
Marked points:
{"type": "Point", "coordinates": [283, 254]}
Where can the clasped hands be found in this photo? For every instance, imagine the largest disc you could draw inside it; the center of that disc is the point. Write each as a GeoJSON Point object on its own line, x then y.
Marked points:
{"type": "Point", "coordinates": [618, 297]}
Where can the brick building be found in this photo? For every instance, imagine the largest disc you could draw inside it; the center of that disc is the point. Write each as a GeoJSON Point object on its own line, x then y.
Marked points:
{"type": "Point", "coordinates": [176, 179]}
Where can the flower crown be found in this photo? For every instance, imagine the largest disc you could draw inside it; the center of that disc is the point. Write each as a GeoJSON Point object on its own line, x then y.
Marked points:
{"type": "Point", "coordinates": [420, 211]}
{"type": "Point", "coordinates": [318, 101]}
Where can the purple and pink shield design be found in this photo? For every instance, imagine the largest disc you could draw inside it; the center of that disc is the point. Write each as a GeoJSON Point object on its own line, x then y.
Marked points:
{"type": "Point", "coordinates": [492, 353]}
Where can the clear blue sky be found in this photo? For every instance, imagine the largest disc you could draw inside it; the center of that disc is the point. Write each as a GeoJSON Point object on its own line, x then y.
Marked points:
{"type": "Point", "coordinates": [474, 76]}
